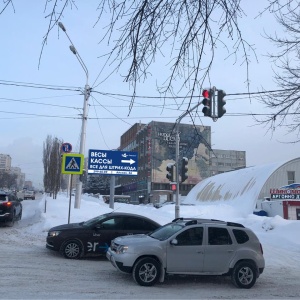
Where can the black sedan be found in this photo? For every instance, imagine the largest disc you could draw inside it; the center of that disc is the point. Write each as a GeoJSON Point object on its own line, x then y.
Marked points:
{"type": "Point", "coordinates": [10, 208]}
{"type": "Point", "coordinates": [93, 237]}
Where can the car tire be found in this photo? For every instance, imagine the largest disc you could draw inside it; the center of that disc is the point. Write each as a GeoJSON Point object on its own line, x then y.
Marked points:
{"type": "Point", "coordinates": [72, 249]}
{"type": "Point", "coordinates": [20, 216]}
{"type": "Point", "coordinates": [12, 221]}
{"type": "Point", "coordinates": [146, 271]}
{"type": "Point", "coordinates": [244, 275]}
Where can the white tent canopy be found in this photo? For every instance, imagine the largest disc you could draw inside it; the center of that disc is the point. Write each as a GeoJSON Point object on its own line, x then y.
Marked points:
{"type": "Point", "coordinates": [240, 188]}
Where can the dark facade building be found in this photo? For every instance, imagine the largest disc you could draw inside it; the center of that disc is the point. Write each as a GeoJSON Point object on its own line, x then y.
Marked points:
{"type": "Point", "coordinates": [155, 143]}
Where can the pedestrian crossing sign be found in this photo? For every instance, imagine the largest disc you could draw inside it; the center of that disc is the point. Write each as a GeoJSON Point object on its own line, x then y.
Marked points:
{"type": "Point", "coordinates": [72, 163]}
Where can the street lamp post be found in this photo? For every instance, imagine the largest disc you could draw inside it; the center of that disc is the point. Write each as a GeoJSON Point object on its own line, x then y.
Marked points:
{"type": "Point", "coordinates": [84, 113]}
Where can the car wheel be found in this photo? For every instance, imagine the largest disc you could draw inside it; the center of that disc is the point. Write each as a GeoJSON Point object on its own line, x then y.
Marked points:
{"type": "Point", "coordinates": [72, 249]}
{"type": "Point", "coordinates": [244, 275]}
{"type": "Point", "coordinates": [12, 221]}
{"type": "Point", "coordinates": [20, 216]}
{"type": "Point", "coordinates": [146, 271]}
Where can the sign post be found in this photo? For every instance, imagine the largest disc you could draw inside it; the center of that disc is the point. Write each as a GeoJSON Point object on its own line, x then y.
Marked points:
{"type": "Point", "coordinates": [112, 192]}
{"type": "Point", "coordinates": [70, 191]}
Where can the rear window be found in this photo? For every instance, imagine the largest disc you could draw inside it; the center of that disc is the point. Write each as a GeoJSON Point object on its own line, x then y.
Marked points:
{"type": "Point", "coordinates": [218, 236]}
{"type": "Point", "coordinates": [2, 197]}
{"type": "Point", "coordinates": [241, 236]}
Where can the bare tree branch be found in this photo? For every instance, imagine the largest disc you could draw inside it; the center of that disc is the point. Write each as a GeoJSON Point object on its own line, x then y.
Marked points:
{"type": "Point", "coordinates": [285, 104]}
{"type": "Point", "coordinates": [54, 16]}
{"type": "Point", "coordinates": [6, 3]}
{"type": "Point", "coordinates": [188, 31]}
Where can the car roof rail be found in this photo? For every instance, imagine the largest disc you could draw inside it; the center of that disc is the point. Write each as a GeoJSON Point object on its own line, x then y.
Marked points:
{"type": "Point", "coordinates": [184, 219]}
{"type": "Point", "coordinates": [235, 224]}
{"type": "Point", "coordinates": [177, 219]}
{"type": "Point", "coordinates": [193, 221]}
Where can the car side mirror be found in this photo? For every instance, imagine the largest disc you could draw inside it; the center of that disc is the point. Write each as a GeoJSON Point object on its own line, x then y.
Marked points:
{"type": "Point", "coordinates": [20, 199]}
{"type": "Point", "coordinates": [174, 242]}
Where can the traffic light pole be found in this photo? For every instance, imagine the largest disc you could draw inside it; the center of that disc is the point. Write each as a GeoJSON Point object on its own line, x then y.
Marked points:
{"type": "Point", "coordinates": [177, 204]}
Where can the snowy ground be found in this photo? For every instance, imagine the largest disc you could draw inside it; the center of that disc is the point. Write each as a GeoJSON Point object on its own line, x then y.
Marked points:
{"type": "Point", "coordinates": [29, 271]}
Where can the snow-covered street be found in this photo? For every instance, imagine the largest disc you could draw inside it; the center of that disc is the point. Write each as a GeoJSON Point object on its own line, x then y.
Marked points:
{"type": "Point", "coordinates": [30, 271]}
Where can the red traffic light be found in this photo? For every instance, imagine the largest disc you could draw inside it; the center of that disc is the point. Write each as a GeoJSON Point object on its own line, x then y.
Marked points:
{"type": "Point", "coordinates": [207, 101]}
{"type": "Point", "coordinates": [205, 93]}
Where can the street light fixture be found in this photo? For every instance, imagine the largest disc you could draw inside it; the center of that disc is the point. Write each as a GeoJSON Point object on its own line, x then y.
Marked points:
{"type": "Point", "coordinates": [84, 113]}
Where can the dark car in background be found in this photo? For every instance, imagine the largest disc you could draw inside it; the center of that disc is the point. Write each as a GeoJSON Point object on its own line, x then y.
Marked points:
{"type": "Point", "coordinates": [10, 208]}
{"type": "Point", "coordinates": [93, 237]}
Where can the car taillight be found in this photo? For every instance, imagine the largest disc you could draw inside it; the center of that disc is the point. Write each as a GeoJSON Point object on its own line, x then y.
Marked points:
{"type": "Point", "coordinates": [261, 249]}
{"type": "Point", "coordinates": [8, 203]}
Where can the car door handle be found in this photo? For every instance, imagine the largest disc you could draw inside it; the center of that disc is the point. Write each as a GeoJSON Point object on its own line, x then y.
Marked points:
{"type": "Point", "coordinates": [200, 252]}
{"type": "Point", "coordinates": [229, 251]}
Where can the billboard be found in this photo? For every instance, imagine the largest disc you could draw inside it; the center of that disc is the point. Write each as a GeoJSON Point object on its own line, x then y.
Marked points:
{"type": "Point", "coordinates": [194, 144]}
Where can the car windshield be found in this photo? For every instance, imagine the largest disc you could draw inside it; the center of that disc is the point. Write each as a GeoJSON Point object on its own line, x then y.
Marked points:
{"type": "Point", "coordinates": [94, 221]}
{"type": "Point", "coordinates": [166, 231]}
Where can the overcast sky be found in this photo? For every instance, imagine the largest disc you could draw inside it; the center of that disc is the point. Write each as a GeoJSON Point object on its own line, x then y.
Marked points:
{"type": "Point", "coordinates": [28, 115]}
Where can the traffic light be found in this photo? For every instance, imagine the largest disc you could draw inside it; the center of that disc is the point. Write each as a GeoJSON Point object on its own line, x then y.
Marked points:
{"type": "Point", "coordinates": [171, 172]}
{"type": "Point", "coordinates": [207, 102]}
{"type": "Point", "coordinates": [221, 103]}
{"type": "Point", "coordinates": [184, 169]}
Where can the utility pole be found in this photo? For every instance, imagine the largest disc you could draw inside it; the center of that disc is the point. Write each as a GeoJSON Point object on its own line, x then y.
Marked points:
{"type": "Point", "coordinates": [82, 142]}
{"type": "Point", "coordinates": [177, 204]}
{"type": "Point", "coordinates": [84, 113]}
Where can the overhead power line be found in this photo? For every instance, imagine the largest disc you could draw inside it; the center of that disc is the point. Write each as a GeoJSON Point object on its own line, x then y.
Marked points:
{"type": "Point", "coordinates": [40, 86]}
{"type": "Point", "coordinates": [183, 97]}
{"type": "Point", "coordinates": [73, 88]}
{"type": "Point", "coordinates": [39, 103]}
{"type": "Point", "coordinates": [40, 115]}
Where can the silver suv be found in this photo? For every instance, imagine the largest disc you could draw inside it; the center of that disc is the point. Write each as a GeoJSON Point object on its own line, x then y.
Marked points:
{"type": "Point", "coordinates": [190, 246]}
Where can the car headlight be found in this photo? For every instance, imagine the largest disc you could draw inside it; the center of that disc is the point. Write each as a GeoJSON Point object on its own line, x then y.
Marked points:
{"type": "Point", "coordinates": [121, 249]}
{"type": "Point", "coordinates": [54, 233]}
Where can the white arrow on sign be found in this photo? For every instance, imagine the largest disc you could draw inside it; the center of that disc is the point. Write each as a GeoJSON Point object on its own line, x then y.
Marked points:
{"type": "Point", "coordinates": [131, 161]}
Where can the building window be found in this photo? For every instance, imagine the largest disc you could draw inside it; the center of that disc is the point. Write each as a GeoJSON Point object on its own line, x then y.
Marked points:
{"type": "Point", "coordinates": [291, 177]}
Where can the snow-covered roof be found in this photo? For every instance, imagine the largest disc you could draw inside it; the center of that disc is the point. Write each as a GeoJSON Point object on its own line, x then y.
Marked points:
{"type": "Point", "coordinates": [240, 188]}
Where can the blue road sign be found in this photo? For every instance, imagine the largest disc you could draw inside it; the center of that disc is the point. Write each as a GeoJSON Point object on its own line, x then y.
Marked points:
{"type": "Point", "coordinates": [72, 163]}
{"type": "Point", "coordinates": [106, 162]}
